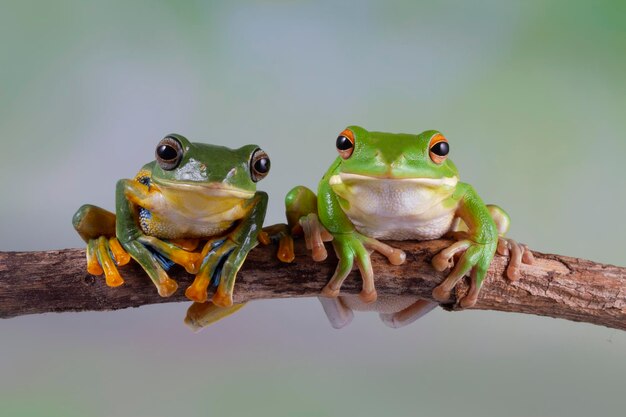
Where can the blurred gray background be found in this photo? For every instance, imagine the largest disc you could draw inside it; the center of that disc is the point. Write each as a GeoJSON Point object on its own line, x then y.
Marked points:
{"type": "Point", "coordinates": [531, 95]}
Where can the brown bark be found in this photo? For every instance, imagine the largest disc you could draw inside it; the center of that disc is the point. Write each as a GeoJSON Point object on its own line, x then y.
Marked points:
{"type": "Point", "coordinates": [555, 286]}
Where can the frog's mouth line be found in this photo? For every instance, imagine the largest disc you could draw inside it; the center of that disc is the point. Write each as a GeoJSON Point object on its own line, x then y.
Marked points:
{"type": "Point", "coordinates": [207, 189]}
{"type": "Point", "coordinates": [345, 177]}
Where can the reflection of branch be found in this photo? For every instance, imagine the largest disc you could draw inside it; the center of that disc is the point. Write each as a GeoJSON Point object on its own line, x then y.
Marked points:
{"type": "Point", "coordinates": [555, 286]}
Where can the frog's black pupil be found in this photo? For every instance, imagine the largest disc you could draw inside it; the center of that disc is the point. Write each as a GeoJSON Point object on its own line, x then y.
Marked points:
{"type": "Point", "coordinates": [440, 149]}
{"type": "Point", "coordinates": [262, 166]}
{"type": "Point", "coordinates": [343, 143]}
{"type": "Point", "coordinates": [167, 153]}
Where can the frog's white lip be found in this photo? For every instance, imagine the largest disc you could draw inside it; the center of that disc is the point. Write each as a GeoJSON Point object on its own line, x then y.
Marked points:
{"type": "Point", "coordinates": [209, 189]}
{"type": "Point", "coordinates": [433, 182]}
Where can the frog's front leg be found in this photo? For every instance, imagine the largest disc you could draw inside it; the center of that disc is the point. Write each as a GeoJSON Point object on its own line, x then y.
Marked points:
{"type": "Point", "coordinates": [518, 253]}
{"type": "Point", "coordinates": [354, 247]}
{"type": "Point", "coordinates": [129, 195]}
{"type": "Point", "coordinates": [350, 246]}
{"type": "Point", "coordinates": [478, 248]}
{"type": "Point", "coordinates": [224, 258]}
{"type": "Point", "coordinates": [96, 226]}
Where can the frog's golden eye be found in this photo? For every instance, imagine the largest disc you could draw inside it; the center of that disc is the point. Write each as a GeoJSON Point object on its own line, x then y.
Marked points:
{"type": "Point", "coordinates": [439, 148]}
{"type": "Point", "coordinates": [259, 165]}
{"type": "Point", "coordinates": [168, 153]}
{"type": "Point", "coordinates": [345, 143]}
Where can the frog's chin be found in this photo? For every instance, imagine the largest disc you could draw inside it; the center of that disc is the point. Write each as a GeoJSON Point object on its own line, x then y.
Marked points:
{"type": "Point", "coordinates": [346, 178]}
{"type": "Point", "coordinates": [213, 190]}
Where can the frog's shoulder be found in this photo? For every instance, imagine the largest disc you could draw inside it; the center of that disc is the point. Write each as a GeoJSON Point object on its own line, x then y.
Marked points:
{"type": "Point", "coordinates": [332, 170]}
{"type": "Point", "coordinates": [145, 173]}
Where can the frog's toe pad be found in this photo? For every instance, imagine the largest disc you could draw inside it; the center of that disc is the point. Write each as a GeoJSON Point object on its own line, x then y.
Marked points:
{"type": "Point", "coordinates": [441, 262]}
{"type": "Point", "coordinates": [286, 251]}
{"type": "Point", "coordinates": [114, 280]}
{"type": "Point", "coordinates": [468, 301]}
{"type": "Point", "coordinates": [441, 294]}
{"type": "Point", "coordinates": [196, 294]}
{"type": "Point", "coordinates": [222, 299]}
{"type": "Point", "coordinates": [513, 273]}
{"type": "Point", "coordinates": [264, 238]}
{"type": "Point", "coordinates": [397, 257]}
{"type": "Point", "coordinates": [167, 287]}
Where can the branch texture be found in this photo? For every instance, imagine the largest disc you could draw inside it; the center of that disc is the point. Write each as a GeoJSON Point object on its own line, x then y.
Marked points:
{"type": "Point", "coordinates": [555, 286]}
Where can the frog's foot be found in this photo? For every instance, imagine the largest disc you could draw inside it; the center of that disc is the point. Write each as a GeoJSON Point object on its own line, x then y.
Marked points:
{"type": "Point", "coordinates": [314, 236]}
{"type": "Point", "coordinates": [279, 233]}
{"type": "Point", "coordinates": [445, 259]}
{"type": "Point", "coordinates": [201, 315]}
{"type": "Point", "coordinates": [408, 315]}
{"type": "Point", "coordinates": [350, 247]}
{"type": "Point", "coordinates": [222, 259]}
{"type": "Point", "coordinates": [178, 251]}
{"type": "Point", "coordinates": [519, 254]}
{"type": "Point", "coordinates": [475, 260]}
{"type": "Point", "coordinates": [104, 255]}
{"type": "Point", "coordinates": [153, 263]}
{"type": "Point", "coordinates": [338, 314]}
{"type": "Point", "coordinates": [189, 245]}
{"type": "Point", "coordinates": [212, 254]}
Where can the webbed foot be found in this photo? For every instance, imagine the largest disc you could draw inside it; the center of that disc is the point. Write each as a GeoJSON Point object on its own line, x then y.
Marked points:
{"type": "Point", "coordinates": [221, 261]}
{"type": "Point", "coordinates": [104, 255]}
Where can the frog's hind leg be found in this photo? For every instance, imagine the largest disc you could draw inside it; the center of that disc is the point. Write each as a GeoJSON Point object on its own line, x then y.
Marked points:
{"type": "Point", "coordinates": [182, 256]}
{"type": "Point", "coordinates": [91, 222]}
{"type": "Point", "coordinates": [302, 219]}
{"type": "Point", "coordinates": [96, 226]}
{"type": "Point", "coordinates": [213, 256]}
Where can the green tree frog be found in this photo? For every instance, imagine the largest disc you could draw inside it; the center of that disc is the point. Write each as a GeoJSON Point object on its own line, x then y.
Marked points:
{"type": "Point", "coordinates": [397, 187]}
{"type": "Point", "coordinates": [195, 205]}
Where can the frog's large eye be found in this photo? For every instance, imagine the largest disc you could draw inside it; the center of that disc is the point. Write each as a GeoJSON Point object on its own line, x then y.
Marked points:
{"type": "Point", "coordinates": [168, 153]}
{"type": "Point", "coordinates": [439, 148]}
{"type": "Point", "coordinates": [259, 165]}
{"type": "Point", "coordinates": [345, 143]}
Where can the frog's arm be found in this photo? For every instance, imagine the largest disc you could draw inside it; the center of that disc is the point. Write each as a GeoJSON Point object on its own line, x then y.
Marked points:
{"type": "Point", "coordinates": [329, 209]}
{"type": "Point", "coordinates": [128, 194]}
{"type": "Point", "coordinates": [479, 246]}
{"type": "Point", "coordinates": [350, 246]}
{"type": "Point", "coordinates": [223, 258]}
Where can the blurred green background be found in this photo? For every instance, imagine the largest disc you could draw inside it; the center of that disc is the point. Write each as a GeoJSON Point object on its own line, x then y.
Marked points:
{"type": "Point", "coordinates": [531, 95]}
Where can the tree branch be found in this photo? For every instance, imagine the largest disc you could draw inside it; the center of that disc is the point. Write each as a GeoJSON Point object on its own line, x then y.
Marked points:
{"type": "Point", "coordinates": [555, 286]}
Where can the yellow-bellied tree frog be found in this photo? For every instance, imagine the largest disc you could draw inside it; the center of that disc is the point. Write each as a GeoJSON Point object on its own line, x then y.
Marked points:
{"type": "Point", "coordinates": [192, 193]}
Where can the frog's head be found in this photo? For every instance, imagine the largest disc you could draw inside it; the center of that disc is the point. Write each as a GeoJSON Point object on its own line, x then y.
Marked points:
{"type": "Point", "coordinates": [386, 166]}
{"type": "Point", "coordinates": [395, 156]}
{"type": "Point", "coordinates": [208, 169]}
